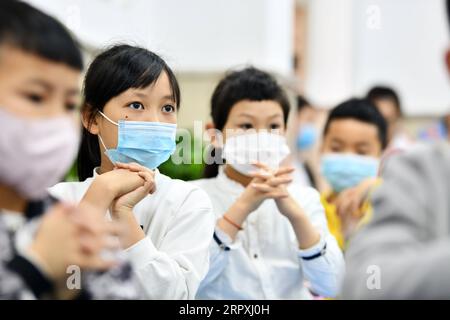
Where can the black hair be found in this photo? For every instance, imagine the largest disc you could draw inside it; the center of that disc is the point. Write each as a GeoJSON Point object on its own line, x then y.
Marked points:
{"type": "Point", "coordinates": [114, 71]}
{"type": "Point", "coordinates": [302, 103]}
{"type": "Point", "coordinates": [448, 12]}
{"type": "Point", "coordinates": [384, 92]}
{"type": "Point", "coordinates": [247, 84]}
{"type": "Point", "coordinates": [362, 110]}
{"type": "Point", "coordinates": [25, 27]}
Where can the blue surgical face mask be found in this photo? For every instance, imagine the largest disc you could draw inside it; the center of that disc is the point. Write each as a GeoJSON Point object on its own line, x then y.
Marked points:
{"type": "Point", "coordinates": [146, 143]}
{"type": "Point", "coordinates": [346, 170]}
{"type": "Point", "coordinates": [307, 136]}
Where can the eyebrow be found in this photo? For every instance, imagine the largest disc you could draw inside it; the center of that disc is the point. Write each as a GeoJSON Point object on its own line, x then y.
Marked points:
{"type": "Point", "coordinates": [246, 115]}
{"type": "Point", "coordinates": [334, 140]}
{"type": "Point", "coordinates": [168, 97]}
{"type": "Point", "coordinates": [49, 87]}
{"type": "Point", "coordinates": [143, 95]}
{"type": "Point", "coordinates": [251, 116]}
{"type": "Point", "coordinates": [358, 144]}
{"type": "Point", "coordinates": [41, 83]}
{"type": "Point", "coordinates": [72, 92]}
{"type": "Point", "coordinates": [362, 144]}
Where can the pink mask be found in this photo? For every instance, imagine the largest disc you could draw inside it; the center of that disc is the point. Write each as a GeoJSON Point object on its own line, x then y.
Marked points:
{"type": "Point", "coordinates": [35, 154]}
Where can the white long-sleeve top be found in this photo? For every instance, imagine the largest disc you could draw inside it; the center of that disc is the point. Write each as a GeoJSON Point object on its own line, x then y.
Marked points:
{"type": "Point", "coordinates": [178, 222]}
{"type": "Point", "coordinates": [264, 261]}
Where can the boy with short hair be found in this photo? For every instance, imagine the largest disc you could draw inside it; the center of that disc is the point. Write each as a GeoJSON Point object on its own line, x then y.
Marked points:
{"type": "Point", "coordinates": [354, 138]}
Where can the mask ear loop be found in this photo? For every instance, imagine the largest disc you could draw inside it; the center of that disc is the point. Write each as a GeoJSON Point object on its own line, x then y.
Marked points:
{"type": "Point", "coordinates": [99, 136]}
{"type": "Point", "coordinates": [101, 141]}
{"type": "Point", "coordinates": [106, 150]}
{"type": "Point", "coordinates": [104, 116]}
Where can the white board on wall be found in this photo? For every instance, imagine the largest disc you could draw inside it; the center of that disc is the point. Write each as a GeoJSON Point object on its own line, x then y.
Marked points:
{"type": "Point", "coordinates": [193, 35]}
{"type": "Point", "coordinates": [355, 44]}
{"type": "Point", "coordinates": [404, 49]}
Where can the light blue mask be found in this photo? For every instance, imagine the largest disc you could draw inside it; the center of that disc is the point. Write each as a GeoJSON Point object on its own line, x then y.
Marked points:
{"type": "Point", "coordinates": [146, 143]}
{"type": "Point", "coordinates": [346, 170]}
{"type": "Point", "coordinates": [307, 136]}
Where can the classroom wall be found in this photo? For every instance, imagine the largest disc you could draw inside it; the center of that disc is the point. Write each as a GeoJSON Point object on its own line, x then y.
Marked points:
{"type": "Point", "coordinates": [349, 45]}
{"type": "Point", "coordinates": [354, 44]}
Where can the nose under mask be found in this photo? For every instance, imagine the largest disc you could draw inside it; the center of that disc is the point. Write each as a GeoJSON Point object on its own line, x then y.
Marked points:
{"type": "Point", "coordinates": [343, 171]}
{"type": "Point", "coordinates": [35, 154]}
{"type": "Point", "coordinates": [240, 151]}
{"type": "Point", "coordinates": [146, 143]}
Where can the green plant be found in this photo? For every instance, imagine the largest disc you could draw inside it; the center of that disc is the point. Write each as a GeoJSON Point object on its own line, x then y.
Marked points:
{"type": "Point", "coordinates": [188, 171]}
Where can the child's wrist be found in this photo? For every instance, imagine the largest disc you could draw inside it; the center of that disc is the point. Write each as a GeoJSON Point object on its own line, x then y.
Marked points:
{"type": "Point", "coordinates": [242, 207]}
{"type": "Point", "coordinates": [34, 255]}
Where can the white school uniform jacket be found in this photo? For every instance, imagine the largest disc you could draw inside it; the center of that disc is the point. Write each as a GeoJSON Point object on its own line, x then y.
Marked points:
{"type": "Point", "coordinates": [264, 261]}
{"type": "Point", "coordinates": [178, 222]}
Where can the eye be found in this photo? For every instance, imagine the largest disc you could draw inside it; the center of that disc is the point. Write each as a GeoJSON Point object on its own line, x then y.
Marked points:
{"type": "Point", "coordinates": [335, 148]}
{"type": "Point", "coordinates": [35, 98]}
{"type": "Point", "coordinates": [136, 106]}
{"type": "Point", "coordinates": [362, 152]}
{"type": "Point", "coordinates": [246, 126]}
{"type": "Point", "coordinates": [168, 108]}
{"type": "Point", "coordinates": [71, 106]}
{"type": "Point", "coordinates": [274, 126]}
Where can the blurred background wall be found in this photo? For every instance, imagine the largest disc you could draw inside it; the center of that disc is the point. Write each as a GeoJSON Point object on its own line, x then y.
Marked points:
{"type": "Point", "coordinates": [327, 49]}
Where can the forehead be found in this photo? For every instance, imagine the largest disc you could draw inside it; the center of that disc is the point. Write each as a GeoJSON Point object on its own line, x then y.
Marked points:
{"type": "Point", "coordinates": [352, 131]}
{"type": "Point", "coordinates": [160, 88]}
{"type": "Point", "coordinates": [386, 107]}
{"type": "Point", "coordinates": [256, 109]}
{"type": "Point", "coordinates": [17, 65]}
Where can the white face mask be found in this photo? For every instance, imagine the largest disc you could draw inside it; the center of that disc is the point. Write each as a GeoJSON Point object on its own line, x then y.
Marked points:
{"type": "Point", "coordinates": [35, 154]}
{"type": "Point", "coordinates": [240, 151]}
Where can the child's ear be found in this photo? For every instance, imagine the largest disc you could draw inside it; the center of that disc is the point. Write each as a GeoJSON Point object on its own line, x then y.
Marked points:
{"type": "Point", "coordinates": [89, 121]}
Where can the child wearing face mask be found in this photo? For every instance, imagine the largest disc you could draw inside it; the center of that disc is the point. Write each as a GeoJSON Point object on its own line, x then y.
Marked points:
{"type": "Point", "coordinates": [40, 239]}
{"type": "Point", "coordinates": [354, 138]}
{"type": "Point", "coordinates": [129, 114]}
{"type": "Point", "coordinates": [270, 236]}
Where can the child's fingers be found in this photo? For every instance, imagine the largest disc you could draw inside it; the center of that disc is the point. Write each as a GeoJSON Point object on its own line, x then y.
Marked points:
{"type": "Point", "coordinates": [94, 262]}
{"type": "Point", "coordinates": [287, 175]}
{"type": "Point", "coordinates": [348, 206]}
{"type": "Point", "coordinates": [275, 182]}
{"type": "Point", "coordinates": [148, 185]}
{"type": "Point", "coordinates": [270, 192]}
{"type": "Point", "coordinates": [94, 245]}
{"type": "Point", "coordinates": [137, 167]}
{"type": "Point", "coordinates": [265, 168]}
{"type": "Point", "coordinates": [147, 176]}
{"type": "Point", "coordinates": [120, 165]}
{"type": "Point", "coordinates": [88, 223]}
{"type": "Point", "coordinates": [112, 228]}
{"type": "Point", "coordinates": [284, 170]}
{"type": "Point", "coordinates": [262, 187]}
{"type": "Point", "coordinates": [144, 189]}
{"type": "Point", "coordinates": [132, 166]}
{"type": "Point", "coordinates": [262, 166]}
{"type": "Point", "coordinates": [152, 189]}
{"type": "Point", "coordinates": [263, 175]}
